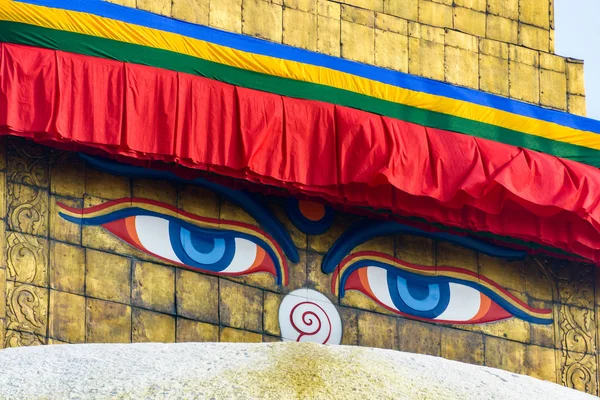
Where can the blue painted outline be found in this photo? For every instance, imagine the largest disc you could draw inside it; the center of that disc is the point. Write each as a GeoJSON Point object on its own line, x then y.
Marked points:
{"type": "Point", "coordinates": [263, 47]}
{"type": "Point", "coordinates": [443, 279]}
{"type": "Point", "coordinates": [242, 199]}
{"type": "Point", "coordinates": [363, 231]}
{"type": "Point", "coordinates": [307, 226]}
{"type": "Point", "coordinates": [135, 211]}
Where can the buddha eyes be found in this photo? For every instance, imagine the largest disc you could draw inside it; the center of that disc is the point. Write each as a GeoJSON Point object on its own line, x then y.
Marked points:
{"type": "Point", "coordinates": [214, 246]}
{"type": "Point", "coordinates": [446, 295]}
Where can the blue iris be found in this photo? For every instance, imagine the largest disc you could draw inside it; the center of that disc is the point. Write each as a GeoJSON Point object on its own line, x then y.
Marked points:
{"type": "Point", "coordinates": [416, 295]}
{"type": "Point", "coordinates": [206, 249]}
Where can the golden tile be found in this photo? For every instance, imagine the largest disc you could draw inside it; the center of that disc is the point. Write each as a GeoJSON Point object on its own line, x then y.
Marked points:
{"type": "Point", "coordinates": [270, 339]}
{"type": "Point", "coordinates": [197, 296]}
{"type": "Point", "coordinates": [199, 201]}
{"type": "Point", "coordinates": [540, 362]}
{"type": "Point", "coordinates": [107, 322]}
{"type": "Point", "coordinates": [508, 274]}
{"type": "Point", "coordinates": [322, 243]}
{"type": "Point", "coordinates": [575, 81]}
{"type": "Point", "coordinates": [297, 273]}
{"type": "Point", "coordinates": [538, 282]}
{"type": "Point", "coordinates": [462, 40]}
{"type": "Point", "coordinates": [3, 296]}
{"type": "Point", "coordinates": [419, 337]}
{"type": "Point", "coordinates": [158, 190]}
{"type": "Point", "coordinates": [316, 278]}
{"type": "Point", "coordinates": [505, 354]}
{"type": "Point", "coordinates": [328, 36]}
{"type": "Point", "coordinates": [239, 336]}
{"type": "Point", "coordinates": [576, 105]}
{"type": "Point", "coordinates": [534, 38]}
{"type": "Point", "coordinates": [309, 6]}
{"type": "Point", "coordinates": [67, 317]}
{"type": "Point", "coordinates": [426, 59]}
{"type": "Point", "coordinates": [272, 301]}
{"type": "Point", "coordinates": [502, 29]}
{"type": "Point", "coordinates": [240, 306]}
{"type": "Point", "coordinates": [357, 15]}
{"type": "Point", "coordinates": [153, 287]}
{"type": "Point", "coordinates": [67, 267]}
{"type": "Point", "coordinates": [524, 55]}
{"type": "Point", "coordinates": [105, 186]}
{"type": "Point", "coordinates": [477, 5]}
{"type": "Point", "coordinates": [386, 22]}
{"type": "Point", "coordinates": [358, 42]}
{"type": "Point", "coordinates": [462, 346]}
{"type": "Point", "coordinates": [462, 67]}
{"type": "Point", "coordinates": [415, 249]}
{"type": "Point", "coordinates": [375, 5]}
{"type": "Point", "coordinates": [194, 11]}
{"type": "Point", "coordinates": [226, 15]}
{"type": "Point", "coordinates": [26, 258]}
{"type": "Point", "coordinates": [436, 14]}
{"type": "Point", "coordinates": [300, 29]}
{"type": "Point", "coordinates": [376, 330]}
{"type": "Point", "coordinates": [469, 21]}
{"type": "Point", "coordinates": [408, 9]}
{"type": "Point", "coordinates": [380, 244]}
{"type": "Point", "coordinates": [535, 13]}
{"type": "Point", "coordinates": [262, 19]}
{"type": "Point", "coordinates": [150, 326]}
{"type": "Point", "coordinates": [504, 8]}
{"type": "Point", "coordinates": [162, 7]}
{"type": "Point", "coordinates": [349, 326]}
{"type": "Point", "coordinates": [27, 210]}
{"type": "Point", "coordinates": [195, 331]}
{"type": "Point", "coordinates": [232, 212]}
{"type": "Point", "coordinates": [495, 49]}
{"type": "Point", "coordinates": [60, 228]}
{"type": "Point", "coordinates": [451, 255]}
{"type": "Point", "coordinates": [108, 276]}
{"type": "Point", "coordinates": [512, 328]}
{"type": "Point", "coordinates": [329, 9]}
{"type": "Point", "coordinates": [67, 176]}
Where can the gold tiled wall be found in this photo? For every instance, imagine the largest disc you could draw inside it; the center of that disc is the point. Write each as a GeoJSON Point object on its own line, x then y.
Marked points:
{"type": "Point", "coordinates": [505, 47]}
{"type": "Point", "coordinates": [64, 283]}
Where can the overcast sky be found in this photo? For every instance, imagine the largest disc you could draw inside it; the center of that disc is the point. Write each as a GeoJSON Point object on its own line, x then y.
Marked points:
{"type": "Point", "coordinates": [577, 24]}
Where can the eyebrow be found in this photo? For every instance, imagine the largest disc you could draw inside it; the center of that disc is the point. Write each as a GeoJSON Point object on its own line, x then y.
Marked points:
{"type": "Point", "coordinates": [246, 201]}
{"type": "Point", "coordinates": [366, 230]}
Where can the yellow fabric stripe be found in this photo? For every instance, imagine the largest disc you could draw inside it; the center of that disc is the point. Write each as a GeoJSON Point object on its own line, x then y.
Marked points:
{"type": "Point", "coordinates": [93, 25]}
{"type": "Point", "coordinates": [449, 274]}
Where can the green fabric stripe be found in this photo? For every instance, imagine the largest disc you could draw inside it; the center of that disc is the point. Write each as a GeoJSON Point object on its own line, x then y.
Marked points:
{"type": "Point", "coordinates": [94, 46]}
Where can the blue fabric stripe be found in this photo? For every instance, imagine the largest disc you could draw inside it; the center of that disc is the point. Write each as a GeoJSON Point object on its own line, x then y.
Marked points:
{"type": "Point", "coordinates": [259, 46]}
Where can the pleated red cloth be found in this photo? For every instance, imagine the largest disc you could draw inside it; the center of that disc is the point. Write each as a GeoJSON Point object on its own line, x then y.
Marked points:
{"type": "Point", "coordinates": [343, 155]}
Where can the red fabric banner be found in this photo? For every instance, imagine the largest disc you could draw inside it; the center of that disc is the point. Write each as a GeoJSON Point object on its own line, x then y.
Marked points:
{"type": "Point", "coordinates": [343, 155]}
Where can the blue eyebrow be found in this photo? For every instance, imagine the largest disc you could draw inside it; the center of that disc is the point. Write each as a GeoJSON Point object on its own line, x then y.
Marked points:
{"type": "Point", "coordinates": [245, 200]}
{"type": "Point", "coordinates": [363, 231]}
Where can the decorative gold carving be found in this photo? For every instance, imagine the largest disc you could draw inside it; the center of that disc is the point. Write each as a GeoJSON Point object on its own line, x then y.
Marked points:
{"type": "Point", "coordinates": [579, 372]}
{"type": "Point", "coordinates": [575, 283]}
{"type": "Point", "coordinates": [20, 339]}
{"type": "Point", "coordinates": [576, 325]}
{"type": "Point", "coordinates": [27, 163]}
{"type": "Point", "coordinates": [27, 308]}
{"type": "Point", "coordinates": [28, 209]}
{"type": "Point", "coordinates": [27, 259]}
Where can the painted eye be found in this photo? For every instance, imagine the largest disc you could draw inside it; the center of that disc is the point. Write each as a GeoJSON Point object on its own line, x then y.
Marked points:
{"type": "Point", "coordinates": [443, 294]}
{"type": "Point", "coordinates": [205, 244]}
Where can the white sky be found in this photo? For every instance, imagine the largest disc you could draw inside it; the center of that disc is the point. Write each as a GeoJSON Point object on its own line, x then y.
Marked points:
{"type": "Point", "coordinates": [577, 35]}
